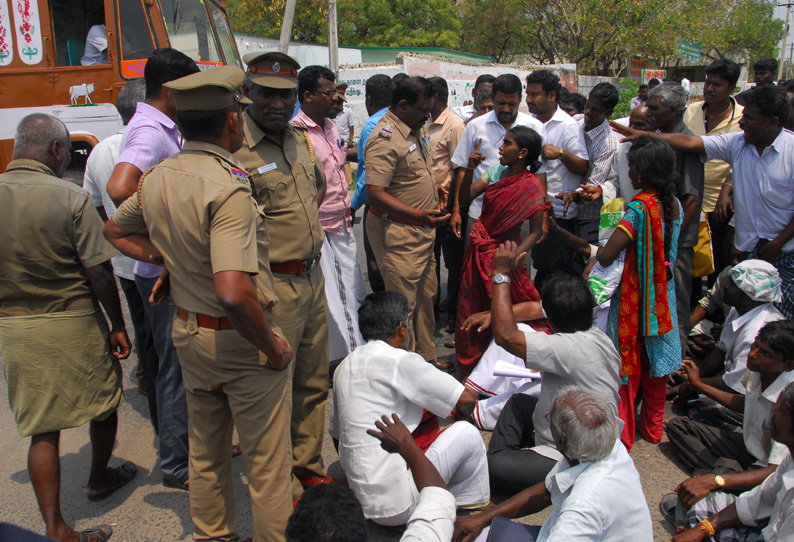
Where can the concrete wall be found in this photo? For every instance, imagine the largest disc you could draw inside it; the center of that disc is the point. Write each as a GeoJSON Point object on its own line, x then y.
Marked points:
{"type": "Point", "coordinates": [305, 53]}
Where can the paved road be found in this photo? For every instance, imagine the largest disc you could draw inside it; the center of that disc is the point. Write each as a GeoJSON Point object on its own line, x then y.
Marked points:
{"type": "Point", "coordinates": [145, 510]}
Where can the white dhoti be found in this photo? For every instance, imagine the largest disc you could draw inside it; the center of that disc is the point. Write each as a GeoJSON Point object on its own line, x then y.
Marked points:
{"type": "Point", "coordinates": [344, 291]}
{"type": "Point", "coordinates": [460, 457]}
{"type": "Point", "coordinates": [498, 388]}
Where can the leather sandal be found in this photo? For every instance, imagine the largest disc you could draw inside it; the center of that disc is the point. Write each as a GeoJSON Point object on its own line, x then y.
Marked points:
{"type": "Point", "coordinates": [122, 475]}
{"type": "Point", "coordinates": [102, 532]}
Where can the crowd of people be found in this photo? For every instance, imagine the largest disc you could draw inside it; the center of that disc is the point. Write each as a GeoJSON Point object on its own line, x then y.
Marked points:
{"type": "Point", "coordinates": [596, 269]}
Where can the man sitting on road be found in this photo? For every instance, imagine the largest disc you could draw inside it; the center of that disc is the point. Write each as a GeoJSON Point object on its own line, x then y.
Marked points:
{"type": "Point", "coordinates": [595, 489]}
{"type": "Point", "coordinates": [575, 354]}
{"type": "Point", "coordinates": [382, 376]}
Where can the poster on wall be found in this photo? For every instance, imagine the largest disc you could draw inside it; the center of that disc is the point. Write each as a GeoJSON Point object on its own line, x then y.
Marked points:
{"type": "Point", "coordinates": [653, 74]}
{"type": "Point", "coordinates": [6, 43]}
{"type": "Point", "coordinates": [28, 30]}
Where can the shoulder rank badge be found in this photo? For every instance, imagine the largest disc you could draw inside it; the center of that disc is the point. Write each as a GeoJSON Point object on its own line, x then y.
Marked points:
{"type": "Point", "coordinates": [385, 131]}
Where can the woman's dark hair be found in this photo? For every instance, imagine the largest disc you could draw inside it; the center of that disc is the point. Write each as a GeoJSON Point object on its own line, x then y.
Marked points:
{"type": "Point", "coordinates": [327, 513]}
{"type": "Point", "coordinates": [529, 139]}
{"type": "Point", "coordinates": [380, 313]}
{"type": "Point", "coordinates": [568, 304]}
{"type": "Point", "coordinates": [655, 163]}
{"type": "Point", "coordinates": [779, 336]}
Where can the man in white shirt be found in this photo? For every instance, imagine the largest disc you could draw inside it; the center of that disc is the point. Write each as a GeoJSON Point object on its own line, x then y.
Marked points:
{"type": "Point", "coordinates": [488, 131]}
{"type": "Point", "coordinates": [602, 144]}
{"type": "Point", "coordinates": [566, 160]}
{"type": "Point", "coordinates": [766, 512]}
{"type": "Point", "coordinates": [762, 158]}
{"type": "Point", "coordinates": [595, 488]}
{"type": "Point", "coordinates": [522, 449]}
{"type": "Point", "coordinates": [98, 170]}
{"type": "Point", "coordinates": [383, 377]}
{"type": "Point", "coordinates": [96, 46]}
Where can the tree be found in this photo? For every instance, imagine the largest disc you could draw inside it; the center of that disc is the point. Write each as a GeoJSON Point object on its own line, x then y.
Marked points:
{"type": "Point", "coordinates": [262, 18]}
{"type": "Point", "coordinates": [393, 23]}
{"type": "Point", "coordinates": [495, 28]}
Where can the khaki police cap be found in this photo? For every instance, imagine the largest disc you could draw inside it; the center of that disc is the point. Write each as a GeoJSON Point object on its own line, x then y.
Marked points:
{"type": "Point", "coordinates": [340, 89]}
{"type": "Point", "coordinates": [217, 88]}
{"type": "Point", "coordinates": [274, 70]}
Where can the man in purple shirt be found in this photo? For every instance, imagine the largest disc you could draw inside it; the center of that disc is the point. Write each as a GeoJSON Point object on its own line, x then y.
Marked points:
{"type": "Point", "coordinates": [150, 137]}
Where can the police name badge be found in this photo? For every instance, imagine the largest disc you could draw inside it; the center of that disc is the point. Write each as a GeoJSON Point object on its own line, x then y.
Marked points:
{"type": "Point", "coordinates": [412, 148]}
{"type": "Point", "coordinates": [264, 169]}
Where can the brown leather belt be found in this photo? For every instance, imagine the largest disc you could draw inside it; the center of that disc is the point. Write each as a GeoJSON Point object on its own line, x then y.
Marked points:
{"type": "Point", "coordinates": [296, 268]}
{"type": "Point", "coordinates": [380, 214]}
{"type": "Point", "coordinates": [210, 322]}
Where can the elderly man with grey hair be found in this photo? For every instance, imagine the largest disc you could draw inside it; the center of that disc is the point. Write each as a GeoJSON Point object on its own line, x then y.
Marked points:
{"type": "Point", "coordinates": [666, 106]}
{"type": "Point", "coordinates": [595, 489]}
{"type": "Point", "coordinates": [60, 361]}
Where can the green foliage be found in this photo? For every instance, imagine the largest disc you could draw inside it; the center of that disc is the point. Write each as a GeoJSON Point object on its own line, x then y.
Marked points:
{"type": "Point", "coordinates": [627, 90]}
{"type": "Point", "coordinates": [597, 35]}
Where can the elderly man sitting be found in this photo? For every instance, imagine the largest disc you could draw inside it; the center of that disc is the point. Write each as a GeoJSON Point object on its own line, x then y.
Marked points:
{"type": "Point", "coordinates": [382, 376]}
{"type": "Point", "coordinates": [595, 489]}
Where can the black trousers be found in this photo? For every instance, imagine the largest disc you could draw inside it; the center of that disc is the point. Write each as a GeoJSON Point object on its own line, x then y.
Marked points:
{"type": "Point", "coordinates": [373, 273]}
{"type": "Point", "coordinates": [703, 448]}
{"type": "Point", "coordinates": [144, 345]}
{"type": "Point", "coordinates": [453, 249]}
{"type": "Point", "coordinates": [512, 466]}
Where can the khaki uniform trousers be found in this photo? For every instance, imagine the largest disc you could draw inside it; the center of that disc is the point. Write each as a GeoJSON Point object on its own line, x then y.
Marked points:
{"type": "Point", "coordinates": [228, 385]}
{"type": "Point", "coordinates": [302, 315]}
{"type": "Point", "coordinates": [406, 261]}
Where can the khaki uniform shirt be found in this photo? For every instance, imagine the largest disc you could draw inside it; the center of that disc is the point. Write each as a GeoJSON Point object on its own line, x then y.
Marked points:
{"type": "Point", "coordinates": [398, 158]}
{"type": "Point", "coordinates": [715, 171]}
{"type": "Point", "coordinates": [196, 207]}
{"type": "Point", "coordinates": [51, 233]}
{"type": "Point", "coordinates": [285, 173]}
{"type": "Point", "coordinates": [444, 134]}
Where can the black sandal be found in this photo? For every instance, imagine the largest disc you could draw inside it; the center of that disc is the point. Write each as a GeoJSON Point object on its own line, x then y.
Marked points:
{"type": "Point", "coordinates": [122, 475]}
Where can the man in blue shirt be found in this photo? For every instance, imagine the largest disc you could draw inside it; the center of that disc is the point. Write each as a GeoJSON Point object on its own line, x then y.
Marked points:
{"type": "Point", "coordinates": [378, 91]}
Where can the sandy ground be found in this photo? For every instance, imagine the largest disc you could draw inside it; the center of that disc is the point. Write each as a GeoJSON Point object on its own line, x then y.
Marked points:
{"type": "Point", "coordinates": [145, 510]}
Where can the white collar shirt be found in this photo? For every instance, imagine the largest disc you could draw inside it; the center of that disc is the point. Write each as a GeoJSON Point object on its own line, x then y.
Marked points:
{"type": "Point", "coordinates": [618, 183]}
{"type": "Point", "coordinates": [98, 170]}
{"type": "Point", "coordinates": [773, 500]}
{"type": "Point", "coordinates": [758, 406]}
{"type": "Point", "coordinates": [492, 133]}
{"type": "Point", "coordinates": [433, 520]}
{"type": "Point", "coordinates": [377, 379]}
{"type": "Point", "coordinates": [562, 130]}
{"type": "Point", "coordinates": [737, 336]}
{"type": "Point", "coordinates": [763, 186]}
{"type": "Point", "coordinates": [598, 501]}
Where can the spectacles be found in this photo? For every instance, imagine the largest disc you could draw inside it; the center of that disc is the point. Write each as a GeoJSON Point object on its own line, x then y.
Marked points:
{"type": "Point", "coordinates": [330, 93]}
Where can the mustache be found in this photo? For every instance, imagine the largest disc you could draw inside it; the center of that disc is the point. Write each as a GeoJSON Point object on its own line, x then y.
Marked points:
{"type": "Point", "coordinates": [274, 111]}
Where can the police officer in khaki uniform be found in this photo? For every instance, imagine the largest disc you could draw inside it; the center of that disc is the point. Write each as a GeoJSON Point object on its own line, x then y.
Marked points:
{"type": "Point", "coordinates": [405, 210]}
{"type": "Point", "coordinates": [196, 210]}
{"type": "Point", "coordinates": [289, 184]}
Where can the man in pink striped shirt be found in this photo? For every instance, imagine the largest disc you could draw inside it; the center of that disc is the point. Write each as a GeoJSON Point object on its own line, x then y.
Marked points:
{"type": "Point", "coordinates": [344, 286]}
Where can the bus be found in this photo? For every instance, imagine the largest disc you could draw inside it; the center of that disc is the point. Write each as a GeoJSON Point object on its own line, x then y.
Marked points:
{"type": "Point", "coordinates": [42, 43]}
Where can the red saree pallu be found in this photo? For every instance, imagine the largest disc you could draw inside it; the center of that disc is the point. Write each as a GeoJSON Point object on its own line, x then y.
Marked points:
{"type": "Point", "coordinates": [506, 205]}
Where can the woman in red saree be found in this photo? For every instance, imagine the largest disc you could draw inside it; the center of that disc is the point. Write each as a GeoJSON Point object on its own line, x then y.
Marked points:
{"type": "Point", "coordinates": [512, 195]}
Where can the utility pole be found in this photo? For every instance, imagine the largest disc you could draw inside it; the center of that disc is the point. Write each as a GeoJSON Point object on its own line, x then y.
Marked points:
{"type": "Point", "coordinates": [785, 36]}
{"type": "Point", "coordinates": [333, 37]}
{"type": "Point", "coordinates": [286, 27]}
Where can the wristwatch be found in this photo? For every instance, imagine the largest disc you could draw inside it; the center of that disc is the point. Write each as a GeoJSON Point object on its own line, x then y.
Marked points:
{"type": "Point", "coordinates": [719, 480]}
{"type": "Point", "coordinates": [562, 153]}
{"type": "Point", "coordinates": [500, 279]}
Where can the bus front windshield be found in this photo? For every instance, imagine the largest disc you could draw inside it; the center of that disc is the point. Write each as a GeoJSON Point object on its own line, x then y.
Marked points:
{"type": "Point", "coordinates": [190, 31]}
